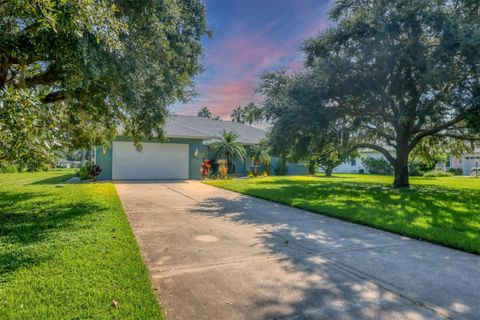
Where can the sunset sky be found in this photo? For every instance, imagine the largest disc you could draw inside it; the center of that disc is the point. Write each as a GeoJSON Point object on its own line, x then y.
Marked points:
{"type": "Point", "coordinates": [249, 37]}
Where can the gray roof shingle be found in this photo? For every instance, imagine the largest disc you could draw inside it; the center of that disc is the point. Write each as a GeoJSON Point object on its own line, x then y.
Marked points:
{"type": "Point", "coordinates": [207, 129]}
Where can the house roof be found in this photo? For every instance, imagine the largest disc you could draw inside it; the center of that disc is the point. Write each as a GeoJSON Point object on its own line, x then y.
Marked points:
{"type": "Point", "coordinates": [207, 129]}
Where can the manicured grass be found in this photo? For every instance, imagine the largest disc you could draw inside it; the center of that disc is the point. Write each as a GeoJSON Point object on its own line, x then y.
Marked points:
{"type": "Point", "coordinates": [441, 210]}
{"type": "Point", "coordinates": [68, 253]}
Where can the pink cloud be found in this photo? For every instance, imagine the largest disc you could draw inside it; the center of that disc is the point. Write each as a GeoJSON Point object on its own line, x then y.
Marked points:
{"type": "Point", "coordinates": [235, 61]}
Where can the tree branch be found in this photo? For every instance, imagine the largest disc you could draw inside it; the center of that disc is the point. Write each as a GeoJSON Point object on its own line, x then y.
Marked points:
{"type": "Point", "coordinates": [55, 96]}
{"type": "Point", "coordinates": [46, 78]}
{"type": "Point", "coordinates": [3, 72]}
{"type": "Point", "coordinates": [456, 136]}
{"type": "Point", "coordinates": [435, 130]}
{"type": "Point", "coordinates": [382, 150]}
{"type": "Point", "coordinates": [382, 134]}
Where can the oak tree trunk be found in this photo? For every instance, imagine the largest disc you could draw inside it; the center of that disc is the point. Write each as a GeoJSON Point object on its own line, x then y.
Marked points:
{"type": "Point", "coordinates": [400, 166]}
{"type": "Point", "coordinates": [328, 171]}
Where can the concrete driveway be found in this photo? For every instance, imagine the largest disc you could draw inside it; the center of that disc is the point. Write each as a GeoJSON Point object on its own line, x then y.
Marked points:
{"type": "Point", "coordinates": [216, 254]}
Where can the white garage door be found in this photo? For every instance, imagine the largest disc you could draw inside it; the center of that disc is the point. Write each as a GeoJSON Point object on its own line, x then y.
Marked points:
{"type": "Point", "coordinates": [156, 161]}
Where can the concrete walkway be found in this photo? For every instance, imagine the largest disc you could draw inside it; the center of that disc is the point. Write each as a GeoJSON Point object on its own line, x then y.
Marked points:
{"type": "Point", "coordinates": [216, 254]}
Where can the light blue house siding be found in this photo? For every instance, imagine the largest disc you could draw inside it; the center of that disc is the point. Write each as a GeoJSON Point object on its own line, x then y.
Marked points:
{"type": "Point", "coordinates": [104, 157]}
{"type": "Point", "coordinates": [293, 169]}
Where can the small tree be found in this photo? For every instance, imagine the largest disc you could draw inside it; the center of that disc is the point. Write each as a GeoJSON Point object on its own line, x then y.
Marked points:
{"type": "Point", "coordinates": [259, 156]}
{"type": "Point", "coordinates": [228, 148]}
{"type": "Point", "coordinates": [330, 158]}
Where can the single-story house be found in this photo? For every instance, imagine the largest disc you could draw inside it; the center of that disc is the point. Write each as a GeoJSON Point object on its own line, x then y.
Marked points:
{"type": "Point", "coordinates": [465, 162]}
{"type": "Point", "coordinates": [180, 157]}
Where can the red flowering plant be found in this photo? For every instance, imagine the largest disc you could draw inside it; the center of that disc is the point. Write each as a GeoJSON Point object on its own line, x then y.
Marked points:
{"type": "Point", "coordinates": [206, 165]}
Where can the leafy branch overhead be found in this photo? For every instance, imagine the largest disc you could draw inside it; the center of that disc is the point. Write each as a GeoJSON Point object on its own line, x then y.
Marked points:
{"type": "Point", "coordinates": [390, 73]}
{"type": "Point", "coordinates": [100, 63]}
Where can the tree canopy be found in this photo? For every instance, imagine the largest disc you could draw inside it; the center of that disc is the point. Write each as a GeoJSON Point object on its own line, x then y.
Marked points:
{"type": "Point", "coordinates": [205, 112]}
{"type": "Point", "coordinates": [94, 65]}
{"type": "Point", "coordinates": [390, 73]}
{"type": "Point", "coordinates": [248, 114]}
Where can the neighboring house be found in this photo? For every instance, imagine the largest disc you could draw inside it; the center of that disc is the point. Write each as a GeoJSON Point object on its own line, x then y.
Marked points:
{"type": "Point", "coordinates": [64, 163]}
{"type": "Point", "coordinates": [466, 162]}
{"type": "Point", "coordinates": [180, 157]}
{"type": "Point", "coordinates": [355, 165]}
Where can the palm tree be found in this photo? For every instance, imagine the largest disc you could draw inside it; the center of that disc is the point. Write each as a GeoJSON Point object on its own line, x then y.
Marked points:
{"type": "Point", "coordinates": [228, 148]}
{"type": "Point", "coordinates": [238, 115]}
{"type": "Point", "coordinates": [259, 156]}
{"type": "Point", "coordinates": [204, 112]}
{"type": "Point", "coordinates": [252, 113]}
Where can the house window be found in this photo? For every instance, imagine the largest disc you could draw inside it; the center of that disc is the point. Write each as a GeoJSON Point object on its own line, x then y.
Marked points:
{"type": "Point", "coordinates": [353, 162]}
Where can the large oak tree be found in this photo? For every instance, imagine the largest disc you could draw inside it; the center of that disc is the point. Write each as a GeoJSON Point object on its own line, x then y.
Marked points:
{"type": "Point", "coordinates": [393, 72]}
{"type": "Point", "coordinates": [81, 68]}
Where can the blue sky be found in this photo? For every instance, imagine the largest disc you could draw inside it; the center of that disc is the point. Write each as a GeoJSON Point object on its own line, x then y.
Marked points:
{"type": "Point", "coordinates": [249, 37]}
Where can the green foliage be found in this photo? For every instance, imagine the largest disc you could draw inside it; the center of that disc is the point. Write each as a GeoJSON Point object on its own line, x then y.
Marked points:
{"type": "Point", "coordinates": [456, 171]}
{"type": "Point", "coordinates": [282, 168]}
{"type": "Point", "coordinates": [28, 130]}
{"type": "Point", "coordinates": [438, 173]}
{"type": "Point", "coordinates": [89, 171]}
{"type": "Point", "coordinates": [441, 210]}
{"type": "Point", "coordinates": [312, 166]}
{"type": "Point", "coordinates": [260, 157]}
{"type": "Point", "coordinates": [67, 252]}
{"type": "Point", "coordinates": [419, 168]}
{"type": "Point", "coordinates": [331, 156]}
{"type": "Point", "coordinates": [228, 148]}
{"type": "Point", "coordinates": [390, 73]}
{"type": "Point", "coordinates": [377, 166]}
{"type": "Point", "coordinates": [248, 114]}
{"type": "Point", "coordinates": [8, 169]}
{"type": "Point", "coordinates": [238, 115]}
{"type": "Point", "coordinates": [204, 112]}
{"type": "Point", "coordinates": [74, 70]}
{"type": "Point", "coordinates": [85, 172]}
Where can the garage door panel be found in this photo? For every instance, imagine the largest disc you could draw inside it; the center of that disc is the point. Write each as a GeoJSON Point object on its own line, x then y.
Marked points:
{"type": "Point", "coordinates": [156, 161]}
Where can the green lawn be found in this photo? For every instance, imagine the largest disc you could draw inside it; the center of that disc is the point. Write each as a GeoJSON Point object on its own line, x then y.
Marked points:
{"type": "Point", "coordinates": [440, 210]}
{"type": "Point", "coordinates": [68, 253]}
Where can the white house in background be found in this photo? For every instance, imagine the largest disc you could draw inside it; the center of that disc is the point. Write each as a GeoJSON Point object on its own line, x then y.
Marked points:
{"type": "Point", "coordinates": [466, 162]}
{"type": "Point", "coordinates": [356, 165]}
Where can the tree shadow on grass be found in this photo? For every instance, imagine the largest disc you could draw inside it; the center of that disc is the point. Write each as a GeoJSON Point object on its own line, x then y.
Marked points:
{"type": "Point", "coordinates": [54, 180]}
{"type": "Point", "coordinates": [30, 220]}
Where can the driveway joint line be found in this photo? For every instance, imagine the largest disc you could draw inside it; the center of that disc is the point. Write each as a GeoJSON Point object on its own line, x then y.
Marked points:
{"type": "Point", "coordinates": [181, 193]}
{"type": "Point", "coordinates": [386, 286]}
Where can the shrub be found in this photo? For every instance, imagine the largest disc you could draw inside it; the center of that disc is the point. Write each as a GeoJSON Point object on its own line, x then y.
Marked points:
{"type": "Point", "coordinates": [455, 171]}
{"type": "Point", "coordinates": [89, 171]}
{"type": "Point", "coordinates": [361, 171]}
{"type": "Point", "coordinates": [282, 168]}
{"type": "Point", "coordinates": [419, 168]}
{"type": "Point", "coordinates": [8, 168]}
{"type": "Point", "coordinates": [377, 166]}
{"type": "Point", "coordinates": [437, 173]}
